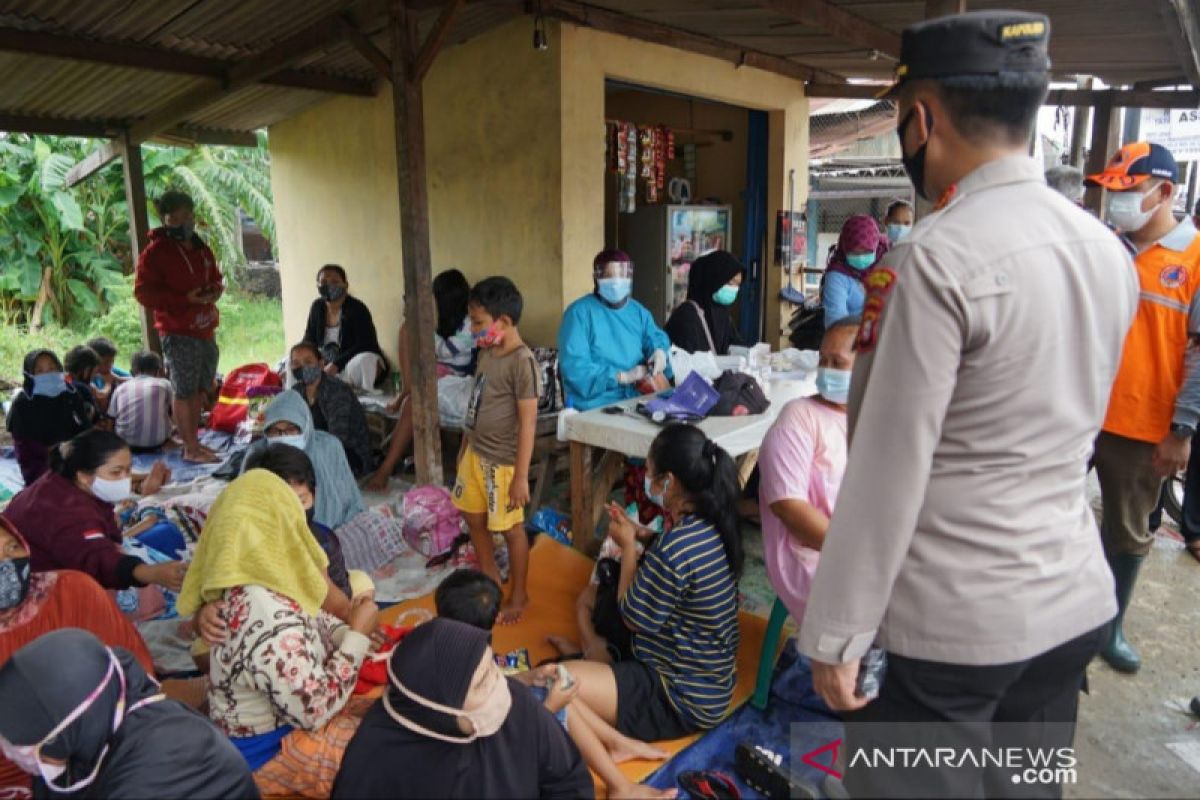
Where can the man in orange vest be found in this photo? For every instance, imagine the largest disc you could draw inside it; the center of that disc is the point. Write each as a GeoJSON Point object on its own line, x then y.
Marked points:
{"type": "Point", "coordinates": [1155, 402]}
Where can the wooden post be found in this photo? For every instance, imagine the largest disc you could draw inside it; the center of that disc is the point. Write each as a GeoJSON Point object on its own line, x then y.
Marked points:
{"type": "Point", "coordinates": [1193, 167]}
{"type": "Point", "coordinates": [139, 226]}
{"type": "Point", "coordinates": [409, 119]}
{"type": "Point", "coordinates": [1105, 139]}
{"type": "Point", "coordinates": [1080, 121]}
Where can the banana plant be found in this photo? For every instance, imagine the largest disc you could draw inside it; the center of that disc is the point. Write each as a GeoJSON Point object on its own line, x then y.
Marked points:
{"type": "Point", "coordinates": [63, 251]}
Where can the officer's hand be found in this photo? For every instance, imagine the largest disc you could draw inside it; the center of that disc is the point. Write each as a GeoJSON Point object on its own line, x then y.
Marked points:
{"type": "Point", "coordinates": [1171, 455]}
{"type": "Point", "coordinates": [835, 683]}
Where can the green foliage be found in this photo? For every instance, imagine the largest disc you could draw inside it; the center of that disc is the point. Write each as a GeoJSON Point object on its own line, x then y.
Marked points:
{"type": "Point", "coordinates": [63, 251]}
{"type": "Point", "coordinates": [251, 330]}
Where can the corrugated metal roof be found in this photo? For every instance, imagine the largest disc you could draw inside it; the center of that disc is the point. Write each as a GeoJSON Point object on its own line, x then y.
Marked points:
{"type": "Point", "coordinates": [1117, 40]}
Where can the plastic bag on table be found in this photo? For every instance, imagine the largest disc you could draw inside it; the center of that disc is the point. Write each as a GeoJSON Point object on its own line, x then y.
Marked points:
{"type": "Point", "coordinates": [684, 363]}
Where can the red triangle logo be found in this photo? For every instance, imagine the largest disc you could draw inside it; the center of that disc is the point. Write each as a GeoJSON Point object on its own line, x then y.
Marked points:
{"type": "Point", "coordinates": [811, 758]}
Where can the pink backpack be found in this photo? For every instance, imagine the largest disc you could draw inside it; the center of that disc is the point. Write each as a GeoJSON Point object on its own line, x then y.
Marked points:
{"type": "Point", "coordinates": [431, 522]}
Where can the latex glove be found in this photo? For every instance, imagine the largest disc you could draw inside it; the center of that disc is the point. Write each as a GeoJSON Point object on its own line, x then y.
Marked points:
{"type": "Point", "coordinates": [658, 363]}
{"type": "Point", "coordinates": [631, 376]}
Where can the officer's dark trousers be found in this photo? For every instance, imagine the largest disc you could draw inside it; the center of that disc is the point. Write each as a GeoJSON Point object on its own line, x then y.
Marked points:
{"type": "Point", "coordinates": [1037, 699]}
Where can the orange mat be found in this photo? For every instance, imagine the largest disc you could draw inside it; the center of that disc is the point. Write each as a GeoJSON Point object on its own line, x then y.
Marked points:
{"type": "Point", "coordinates": [557, 574]}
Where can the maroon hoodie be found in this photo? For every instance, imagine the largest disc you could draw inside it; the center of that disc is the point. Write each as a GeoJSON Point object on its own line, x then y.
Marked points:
{"type": "Point", "coordinates": [67, 528]}
{"type": "Point", "coordinates": [166, 271]}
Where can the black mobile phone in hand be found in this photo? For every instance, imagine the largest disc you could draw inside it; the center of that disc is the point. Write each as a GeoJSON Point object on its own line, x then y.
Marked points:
{"type": "Point", "coordinates": [870, 673]}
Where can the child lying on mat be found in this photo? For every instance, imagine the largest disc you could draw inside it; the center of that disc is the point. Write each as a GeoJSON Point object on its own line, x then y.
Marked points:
{"type": "Point", "coordinates": [473, 598]}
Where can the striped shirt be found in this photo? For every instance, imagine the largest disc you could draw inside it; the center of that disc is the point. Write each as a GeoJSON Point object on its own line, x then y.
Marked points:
{"type": "Point", "coordinates": [142, 410]}
{"type": "Point", "coordinates": [682, 608]}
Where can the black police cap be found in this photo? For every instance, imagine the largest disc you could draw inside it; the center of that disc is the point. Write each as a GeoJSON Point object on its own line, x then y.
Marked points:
{"type": "Point", "coordinates": [974, 43]}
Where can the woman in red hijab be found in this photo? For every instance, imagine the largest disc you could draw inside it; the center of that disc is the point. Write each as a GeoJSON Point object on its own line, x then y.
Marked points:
{"type": "Point", "coordinates": [859, 248]}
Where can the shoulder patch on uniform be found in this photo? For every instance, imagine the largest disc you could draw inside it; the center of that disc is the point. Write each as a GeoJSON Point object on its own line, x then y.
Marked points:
{"type": "Point", "coordinates": [1173, 276]}
{"type": "Point", "coordinates": [93, 534]}
{"type": "Point", "coordinates": [878, 283]}
{"type": "Point", "coordinates": [947, 197]}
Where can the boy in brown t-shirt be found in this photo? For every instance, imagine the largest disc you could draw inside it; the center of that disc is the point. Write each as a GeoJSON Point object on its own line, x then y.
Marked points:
{"type": "Point", "coordinates": [493, 469]}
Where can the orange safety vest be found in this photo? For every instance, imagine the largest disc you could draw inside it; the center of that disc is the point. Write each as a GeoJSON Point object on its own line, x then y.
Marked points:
{"type": "Point", "coordinates": [1152, 369]}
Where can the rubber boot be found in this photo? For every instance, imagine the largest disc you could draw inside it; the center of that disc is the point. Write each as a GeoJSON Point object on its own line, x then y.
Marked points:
{"type": "Point", "coordinates": [1119, 653]}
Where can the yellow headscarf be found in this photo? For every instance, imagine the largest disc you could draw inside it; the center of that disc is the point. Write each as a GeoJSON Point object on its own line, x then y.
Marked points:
{"type": "Point", "coordinates": [256, 535]}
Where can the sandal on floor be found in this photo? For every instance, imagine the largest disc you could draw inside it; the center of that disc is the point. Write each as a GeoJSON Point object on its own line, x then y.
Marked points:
{"type": "Point", "coordinates": [709, 785]}
{"type": "Point", "coordinates": [763, 771]}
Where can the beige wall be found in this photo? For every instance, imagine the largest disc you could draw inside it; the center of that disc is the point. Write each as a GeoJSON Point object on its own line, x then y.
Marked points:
{"type": "Point", "coordinates": [589, 57]}
{"type": "Point", "coordinates": [491, 122]}
{"type": "Point", "coordinates": [333, 176]}
{"type": "Point", "coordinates": [515, 142]}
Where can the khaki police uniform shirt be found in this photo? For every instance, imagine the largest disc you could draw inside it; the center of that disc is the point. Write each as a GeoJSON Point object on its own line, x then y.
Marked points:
{"type": "Point", "coordinates": [963, 532]}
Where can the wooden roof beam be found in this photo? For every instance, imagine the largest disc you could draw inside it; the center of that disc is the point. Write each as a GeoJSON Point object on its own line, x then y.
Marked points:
{"type": "Point", "coordinates": [108, 152]}
{"type": "Point", "coordinates": [1125, 98]}
{"type": "Point", "coordinates": [281, 55]}
{"type": "Point", "coordinates": [52, 126]}
{"type": "Point", "coordinates": [94, 161]}
{"type": "Point", "coordinates": [838, 23]}
{"type": "Point", "coordinates": [644, 30]}
{"type": "Point", "coordinates": [157, 59]}
{"type": "Point", "coordinates": [435, 39]}
{"type": "Point", "coordinates": [1182, 21]}
{"type": "Point", "coordinates": [365, 47]}
{"type": "Point", "coordinates": [107, 129]}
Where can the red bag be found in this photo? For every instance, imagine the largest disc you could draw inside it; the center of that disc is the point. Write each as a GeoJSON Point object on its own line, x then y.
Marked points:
{"type": "Point", "coordinates": [234, 401]}
{"type": "Point", "coordinates": [373, 671]}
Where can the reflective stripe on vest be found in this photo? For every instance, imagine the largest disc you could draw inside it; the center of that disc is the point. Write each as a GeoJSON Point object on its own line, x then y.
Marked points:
{"type": "Point", "coordinates": [1152, 367]}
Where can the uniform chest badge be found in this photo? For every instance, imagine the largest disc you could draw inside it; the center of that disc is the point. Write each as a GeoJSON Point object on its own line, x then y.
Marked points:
{"type": "Point", "coordinates": [1172, 276]}
{"type": "Point", "coordinates": [878, 283]}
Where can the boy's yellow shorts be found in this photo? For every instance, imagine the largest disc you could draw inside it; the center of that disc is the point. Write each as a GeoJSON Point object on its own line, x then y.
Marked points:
{"type": "Point", "coordinates": [481, 487]}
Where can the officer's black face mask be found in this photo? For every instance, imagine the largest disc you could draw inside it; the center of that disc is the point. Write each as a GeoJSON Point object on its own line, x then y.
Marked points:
{"type": "Point", "coordinates": [914, 165]}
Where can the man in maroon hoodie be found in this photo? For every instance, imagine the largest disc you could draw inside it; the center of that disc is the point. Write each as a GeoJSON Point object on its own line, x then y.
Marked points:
{"type": "Point", "coordinates": [178, 279]}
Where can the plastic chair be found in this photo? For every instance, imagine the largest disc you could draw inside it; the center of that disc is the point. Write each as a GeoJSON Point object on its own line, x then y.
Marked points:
{"type": "Point", "coordinates": [766, 658]}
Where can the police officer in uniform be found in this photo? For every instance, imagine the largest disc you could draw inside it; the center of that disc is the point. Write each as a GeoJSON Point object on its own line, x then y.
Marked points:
{"type": "Point", "coordinates": [962, 542]}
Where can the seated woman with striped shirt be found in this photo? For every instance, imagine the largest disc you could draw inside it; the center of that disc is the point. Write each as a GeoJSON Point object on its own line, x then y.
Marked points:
{"type": "Point", "coordinates": [680, 602]}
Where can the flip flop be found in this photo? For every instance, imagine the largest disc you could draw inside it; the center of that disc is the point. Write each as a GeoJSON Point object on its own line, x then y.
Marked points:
{"type": "Point", "coordinates": [709, 785]}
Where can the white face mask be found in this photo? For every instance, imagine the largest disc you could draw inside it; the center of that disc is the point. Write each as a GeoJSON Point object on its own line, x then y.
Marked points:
{"type": "Point", "coordinates": [485, 718]}
{"type": "Point", "coordinates": [1125, 210]}
{"type": "Point", "coordinates": [112, 491]}
{"type": "Point", "coordinates": [27, 757]}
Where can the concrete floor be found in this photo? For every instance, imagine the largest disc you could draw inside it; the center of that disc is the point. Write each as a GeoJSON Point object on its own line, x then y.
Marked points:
{"type": "Point", "coordinates": [1128, 721]}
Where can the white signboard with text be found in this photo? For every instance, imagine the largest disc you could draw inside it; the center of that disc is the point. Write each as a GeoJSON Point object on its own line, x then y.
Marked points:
{"type": "Point", "coordinates": [1177, 129]}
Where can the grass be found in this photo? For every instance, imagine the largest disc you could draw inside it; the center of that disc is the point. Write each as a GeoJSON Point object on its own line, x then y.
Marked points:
{"type": "Point", "coordinates": [251, 330]}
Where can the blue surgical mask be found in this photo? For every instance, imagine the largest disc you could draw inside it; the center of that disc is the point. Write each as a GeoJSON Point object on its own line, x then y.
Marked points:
{"type": "Point", "coordinates": [49, 384]}
{"type": "Point", "coordinates": [834, 384]}
{"type": "Point", "coordinates": [659, 500]}
{"type": "Point", "coordinates": [860, 260]}
{"type": "Point", "coordinates": [294, 439]}
{"type": "Point", "coordinates": [725, 295]}
{"type": "Point", "coordinates": [615, 290]}
{"type": "Point", "coordinates": [896, 232]}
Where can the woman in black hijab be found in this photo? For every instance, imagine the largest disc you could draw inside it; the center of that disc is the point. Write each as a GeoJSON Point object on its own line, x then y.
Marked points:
{"type": "Point", "coordinates": [451, 725]}
{"type": "Point", "coordinates": [704, 321]}
{"type": "Point", "coordinates": [87, 721]}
